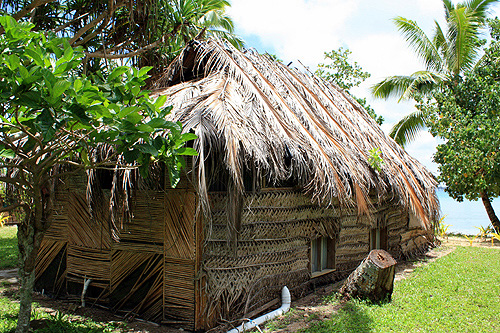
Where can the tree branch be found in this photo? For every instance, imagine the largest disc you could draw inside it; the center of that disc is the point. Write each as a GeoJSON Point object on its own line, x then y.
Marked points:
{"type": "Point", "coordinates": [15, 181]}
{"type": "Point", "coordinates": [94, 33]}
{"type": "Point", "coordinates": [29, 8]}
{"type": "Point", "coordinates": [136, 52]}
{"type": "Point", "coordinates": [83, 30]}
{"type": "Point", "coordinates": [104, 16]}
{"type": "Point", "coordinates": [67, 24]}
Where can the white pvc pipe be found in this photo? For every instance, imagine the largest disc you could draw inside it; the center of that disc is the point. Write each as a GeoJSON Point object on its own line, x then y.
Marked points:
{"type": "Point", "coordinates": [286, 299]}
{"type": "Point", "coordinates": [86, 283]}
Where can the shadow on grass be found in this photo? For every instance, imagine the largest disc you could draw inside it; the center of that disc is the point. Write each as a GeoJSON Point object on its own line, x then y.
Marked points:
{"type": "Point", "coordinates": [350, 318]}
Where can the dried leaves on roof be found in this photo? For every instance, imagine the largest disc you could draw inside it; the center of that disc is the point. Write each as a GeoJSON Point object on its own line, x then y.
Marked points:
{"type": "Point", "coordinates": [251, 108]}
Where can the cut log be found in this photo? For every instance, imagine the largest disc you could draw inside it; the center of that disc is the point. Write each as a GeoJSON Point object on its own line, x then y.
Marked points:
{"type": "Point", "coordinates": [373, 279]}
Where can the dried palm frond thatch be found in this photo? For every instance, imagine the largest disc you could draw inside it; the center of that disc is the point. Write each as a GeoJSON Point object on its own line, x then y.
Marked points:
{"type": "Point", "coordinates": [252, 109]}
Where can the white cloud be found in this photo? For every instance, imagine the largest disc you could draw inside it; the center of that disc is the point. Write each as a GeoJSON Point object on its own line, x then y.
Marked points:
{"type": "Point", "coordinates": [295, 29]}
{"type": "Point", "coordinates": [423, 148]}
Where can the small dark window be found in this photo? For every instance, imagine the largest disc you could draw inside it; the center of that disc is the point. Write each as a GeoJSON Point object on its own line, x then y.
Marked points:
{"type": "Point", "coordinates": [322, 254]}
{"type": "Point", "coordinates": [105, 177]}
{"type": "Point", "coordinates": [378, 238]}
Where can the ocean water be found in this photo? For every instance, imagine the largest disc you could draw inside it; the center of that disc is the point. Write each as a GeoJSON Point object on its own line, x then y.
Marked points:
{"type": "Point", "coordinates": [464, 216]}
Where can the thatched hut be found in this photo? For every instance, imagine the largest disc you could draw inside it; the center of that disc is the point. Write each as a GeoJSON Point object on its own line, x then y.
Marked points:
{"type": "Point", "coordinates": [284, 192]}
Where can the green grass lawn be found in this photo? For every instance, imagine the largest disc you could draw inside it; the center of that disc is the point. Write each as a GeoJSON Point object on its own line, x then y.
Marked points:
{"type": "Point", "coordinates": [8, 247]}
{"type": "Point", "coordinates": [456, 293]}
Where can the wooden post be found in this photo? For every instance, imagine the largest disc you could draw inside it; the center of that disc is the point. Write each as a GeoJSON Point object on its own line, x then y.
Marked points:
{"type": "Point", "coordinates": [373, 279]}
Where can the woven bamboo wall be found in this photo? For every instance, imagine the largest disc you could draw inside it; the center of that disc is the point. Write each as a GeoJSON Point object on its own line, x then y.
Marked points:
{"type": "Point", "coordinates": [273, 245]}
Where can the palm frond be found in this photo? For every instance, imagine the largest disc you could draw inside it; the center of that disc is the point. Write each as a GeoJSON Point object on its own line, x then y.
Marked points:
{"type": "Point", "coordinates": [407, 87]}
{"type": "Point", "coordinates": [419, 41]}
{"type": "Point", "coordinates": [406, 130]}
{"type": "Point", "coordinates": [440, 41]}
{"type": "Point", "coordinates": [481, 8]}
{"type": "Point", "coordinates": [448, 7]}
{"type": "Point", "coordinates": [463, 38]}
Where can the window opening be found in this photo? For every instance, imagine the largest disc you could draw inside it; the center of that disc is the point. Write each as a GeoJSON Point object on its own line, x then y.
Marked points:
{"type": "Point", "coordinates": [322, 255]}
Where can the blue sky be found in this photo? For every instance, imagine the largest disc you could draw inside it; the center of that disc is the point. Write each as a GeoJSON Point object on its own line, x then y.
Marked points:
{"type": "Point", "coordinates": [302, 30]}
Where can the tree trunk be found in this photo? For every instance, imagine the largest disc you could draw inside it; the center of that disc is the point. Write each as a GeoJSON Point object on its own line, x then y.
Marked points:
{"type": "Point", "coordinates": [373, 279]}
{"type": "Point", "coordinates": [29, 239]}
{"type": "Point", "coordinates": [490, 211]}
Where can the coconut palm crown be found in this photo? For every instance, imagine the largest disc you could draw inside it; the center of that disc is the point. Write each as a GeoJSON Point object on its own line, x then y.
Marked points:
{"type": "Point", "coordinates": [449, 53]}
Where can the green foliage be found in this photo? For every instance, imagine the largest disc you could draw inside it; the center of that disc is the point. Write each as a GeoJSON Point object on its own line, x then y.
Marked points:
{"type": "Point", "coordinates": [8, 247]}
{"type": "Point", "coordinates": [452, 294]}
{"type": "Point", "coordinates": [407, 129]}
{"type": "Point", "coordinates": [62, 116]}
{"type": "Point", "coordinates": [375, 159]}
{"type": "Point", "coordinates": [51, 116]}
{"type": "Point", "coordinates": [494, 236]}
{"type": "Point", "coordinates": [483, 232]}
{"type": "Point", "coordinates": [447, 54]}
{"type": "Point", "coordinates": [340, 71]}
{"type": "Point", "coordinates": [441, 229]}
{"type": "Point", "coordinates": [346, 75]}
{"type": "Point", "coordinates": [465, 114]}
{"type": "Point", "coordinates": [8, 314]}
{"type": "Point", "coordinates": [146, 33]}
{"type": "Point", "coordinates": [3, 218]}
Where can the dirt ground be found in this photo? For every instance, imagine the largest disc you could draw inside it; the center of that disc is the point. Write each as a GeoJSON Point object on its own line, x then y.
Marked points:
{"type": "Point", "coordinates": [305, 310]}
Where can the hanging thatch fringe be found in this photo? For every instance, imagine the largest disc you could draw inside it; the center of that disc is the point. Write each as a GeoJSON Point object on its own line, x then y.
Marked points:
{"type": "Point", "coordinates": [255, 111]}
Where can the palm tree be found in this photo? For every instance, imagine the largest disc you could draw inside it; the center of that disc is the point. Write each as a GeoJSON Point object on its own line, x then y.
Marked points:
{"type": "Point", "coordinates": [447, 55]}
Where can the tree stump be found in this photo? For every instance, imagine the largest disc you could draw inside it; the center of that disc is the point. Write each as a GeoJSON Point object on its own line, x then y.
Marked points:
{"type": "Point", "coordinates": [373, 279]}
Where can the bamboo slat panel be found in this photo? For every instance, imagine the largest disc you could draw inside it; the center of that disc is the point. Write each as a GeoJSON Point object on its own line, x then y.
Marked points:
{"type": "Point", "coordinates": [351, 257]}
{"type": "Point", "coordinates": [274, 240]}
{"type": "Point", "coordinates": [59, 226]}
{"type": "Point", "coordinates": [362, 237]}
{"type": "Point", "coordinates": [276, 198]}
{"type": "Point", "coordinates": [178, 291]}
{"type": "Point", "coordinates": [229, 285]}
{"type": "Point", "coordinates": [146, 225]}
{"type": "Point", "coordinates": [138, 247]}
{"type": "Point", "coordinates": [218, 201]}
{"type": "Point", "coordinates": [49, 249]}
{"type": "Point", "coordinates": [179, 232]}
{"type": "Point", "coordinates": [352, 220]}
{"type": "Point", "coordinates": [275, 214]}
{"type": "Point", "coordinates": [179, 258]}
{"type": "Point", "coordinates": [123, 263]}
{"type": "Point", "coordinates": [91, 263]}
{"type": "Point", "coordinates": [84, 229]}
{"type": "Point", "coordinates": [269, 288]}
{"type": "Point", "coordinates": [151, 307]}
{"type": "Point", "coordinates": [78, 183]}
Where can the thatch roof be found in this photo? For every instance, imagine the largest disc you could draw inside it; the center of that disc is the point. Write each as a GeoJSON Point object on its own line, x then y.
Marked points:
{"type": "Point", "coordinates": [253, 108]}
